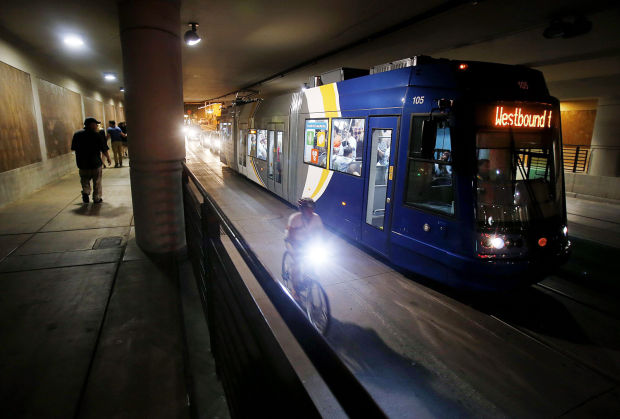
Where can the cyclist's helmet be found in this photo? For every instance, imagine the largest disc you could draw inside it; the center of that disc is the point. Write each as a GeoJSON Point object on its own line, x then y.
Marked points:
{"type": "Point", "coordinates": [306, 203]}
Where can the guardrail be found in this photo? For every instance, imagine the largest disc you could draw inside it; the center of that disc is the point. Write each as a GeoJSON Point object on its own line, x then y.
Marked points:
{"type": "Point", "coordinates": [576, 158]}
{"type": "Point", "coordinates": [257, 377]}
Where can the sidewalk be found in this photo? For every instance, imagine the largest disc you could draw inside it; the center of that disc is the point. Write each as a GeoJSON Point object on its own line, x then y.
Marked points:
{"type": "Point", "coordinates": [594, 231]}
{"type": "Point", "coordinates": [598, 222]}
{"type": "Point", "coordinates": [90, 326]}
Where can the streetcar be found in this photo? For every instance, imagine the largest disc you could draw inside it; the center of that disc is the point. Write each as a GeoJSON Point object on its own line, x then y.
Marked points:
{"type": "Point", "coordinates": [448, 169]}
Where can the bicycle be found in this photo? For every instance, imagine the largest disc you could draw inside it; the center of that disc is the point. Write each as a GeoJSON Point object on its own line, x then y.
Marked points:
{"type": "Point", "coordinates": [312, 298]}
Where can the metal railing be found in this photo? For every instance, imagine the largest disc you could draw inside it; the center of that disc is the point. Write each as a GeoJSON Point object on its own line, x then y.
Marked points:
{"type": "Point", "coordinates": [256, 375]}
{"type": "Point", "coordinates": [576, 158]}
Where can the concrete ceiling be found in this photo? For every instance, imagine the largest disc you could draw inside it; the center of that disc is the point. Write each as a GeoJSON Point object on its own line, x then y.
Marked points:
{"type": "Point", "coordinates": [39, 26]}
{"type": "Point", "coordinates": [248, 41]}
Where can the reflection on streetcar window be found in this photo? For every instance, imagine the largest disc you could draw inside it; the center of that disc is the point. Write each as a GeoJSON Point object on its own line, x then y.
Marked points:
{"type": "Point", "coordinates": [315, 142]}
{"type": "Point", "coordinates": [429, 173]}
{"type": "Point", "coordinates": [378, 177]}
{"type": "Point", "coordinates": [347, 151]}
{"type": "Point", "coordinates": [279, 136]}
{"type": "Point", "coordinates": [270, 151]}
{"type": "Point", "coordinates": [252, 143]}
{"type": "Point", "coordinates": [517, 179]}
{"type": "Point", "coordinates": [261, 144]}
{"type": "Point", "coordinates": [242, 147]}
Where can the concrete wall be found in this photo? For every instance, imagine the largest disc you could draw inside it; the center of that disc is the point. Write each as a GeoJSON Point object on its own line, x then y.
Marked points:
{"type": "Point", "coordinates": [21, 181]}
{"type": "Point", "coordinates": [597, 186]}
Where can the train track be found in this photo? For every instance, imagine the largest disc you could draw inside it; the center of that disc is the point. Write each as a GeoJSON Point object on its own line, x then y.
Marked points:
{"type": "Point", "coordinates": [557, 345]}
{"type": "Point", "coordinates": [201, 155]}
{"type": "Point", "coordinates": [577, 300]}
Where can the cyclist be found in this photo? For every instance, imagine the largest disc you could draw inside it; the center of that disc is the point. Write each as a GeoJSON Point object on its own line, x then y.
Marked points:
{"type": "Point", "coordinates": [302, 227]}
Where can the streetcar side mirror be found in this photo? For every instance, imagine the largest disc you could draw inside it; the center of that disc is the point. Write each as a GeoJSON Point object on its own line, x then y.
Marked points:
{"type": "Point", "coordinates": [429, 137]}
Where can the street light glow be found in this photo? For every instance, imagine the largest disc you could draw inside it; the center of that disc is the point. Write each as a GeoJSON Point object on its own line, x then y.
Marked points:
{"type": "Point", "coordinates": [73, 41]}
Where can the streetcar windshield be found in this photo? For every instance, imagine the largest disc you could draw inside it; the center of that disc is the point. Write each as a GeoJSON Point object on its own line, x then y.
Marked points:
{"type": "Point", "coordinates": [518, 177]}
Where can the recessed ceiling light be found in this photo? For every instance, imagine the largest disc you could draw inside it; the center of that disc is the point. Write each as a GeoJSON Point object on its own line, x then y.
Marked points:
{"type": "Point", "coordinates": [109, 76]}
{"type": "Point", "coordinates": [73, 41]}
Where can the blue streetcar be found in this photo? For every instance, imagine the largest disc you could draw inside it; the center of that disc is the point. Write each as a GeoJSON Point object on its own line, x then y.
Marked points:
{"type": "Point", "coordinates": [450, 169]}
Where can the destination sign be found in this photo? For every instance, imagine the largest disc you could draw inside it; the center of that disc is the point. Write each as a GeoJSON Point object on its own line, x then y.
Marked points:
{"type": "Point", "coordinates": [522, 117]}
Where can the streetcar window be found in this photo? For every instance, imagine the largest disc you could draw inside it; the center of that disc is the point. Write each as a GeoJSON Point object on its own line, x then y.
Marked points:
{"type": "Point", "coordinates": [242, 147]}
{"type": "Point", "coordinates": [279, 136]}
{"type": "Point", "coordinates": [517, 177]}
{"type": "Point", "coordinates": [261, 144]}
{"type": "Point", "coordinates": [433, 147]}
{"type": "Point", "coordinates": [271, 149]}
{"type": "Point", "coordinates": [430, 186]}
{"type": "Point", "coordinates": [347, 142]}
{"type": "Point", "coordinates": [252, 143]}
{"type": "Point", "coordinates": [378, 176]}
{"type": "Point", "coordinates": [315, 142]}
{"type": "Point", "coordinates": [429, 177]}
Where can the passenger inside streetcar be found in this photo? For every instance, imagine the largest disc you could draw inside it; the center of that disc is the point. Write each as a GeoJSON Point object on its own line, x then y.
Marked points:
{"type": "Point", "coordinates": [342, 162]}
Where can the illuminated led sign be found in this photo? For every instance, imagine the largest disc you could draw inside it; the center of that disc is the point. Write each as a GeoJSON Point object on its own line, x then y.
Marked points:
{"type": "Point", "coordinates": [521, 118]}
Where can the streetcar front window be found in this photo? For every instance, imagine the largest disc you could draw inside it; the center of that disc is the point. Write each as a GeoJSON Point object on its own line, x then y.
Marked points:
{"type": "Point", "coordinates": [519, 178]}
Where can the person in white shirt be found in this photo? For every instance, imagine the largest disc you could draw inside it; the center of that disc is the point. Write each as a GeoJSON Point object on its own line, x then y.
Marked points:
{"type": "Point", "coordinates": [350, 141]}
{"type": "Point", "coordinates": [342, 163]}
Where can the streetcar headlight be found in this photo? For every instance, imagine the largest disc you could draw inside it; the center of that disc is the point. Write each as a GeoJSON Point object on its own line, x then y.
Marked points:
{"type": "Point", "coordinates": [497, 242]}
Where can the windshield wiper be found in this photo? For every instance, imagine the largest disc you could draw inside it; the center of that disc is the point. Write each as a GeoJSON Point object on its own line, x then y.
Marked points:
{"type": "Point", "coordinates": [521, 167]}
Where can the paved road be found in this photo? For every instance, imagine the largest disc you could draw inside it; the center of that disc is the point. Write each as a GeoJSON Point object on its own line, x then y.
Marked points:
{"type": "Point", "coordinates": [425, 351]}
{"type": "Point", "coordinates": [598, 222]}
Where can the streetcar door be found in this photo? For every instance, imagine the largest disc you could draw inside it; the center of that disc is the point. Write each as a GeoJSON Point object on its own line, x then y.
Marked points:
{"type": "Point", "coordinates": [278, 154]}
{"type": "Point", "coordinates": [242, 152]}
{"type": "Point", "coordinates": [377, 217]}
{"type": "Point", "coordinates": [270, 155]}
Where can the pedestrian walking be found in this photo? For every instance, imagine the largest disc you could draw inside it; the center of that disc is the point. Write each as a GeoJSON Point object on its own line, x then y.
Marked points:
{"type": "Point", "coordinates": [123, 127]}
{"type": "Point", "coordinates": [102, 133]}
{"type": "Point", "coordinates": [88, 146]}
{"type": "Point", "coordinates": [115, 134]}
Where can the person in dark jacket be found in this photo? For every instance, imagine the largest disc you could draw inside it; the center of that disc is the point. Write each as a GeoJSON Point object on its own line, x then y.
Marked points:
{"type": "Point", "coordinates": [88, 146]}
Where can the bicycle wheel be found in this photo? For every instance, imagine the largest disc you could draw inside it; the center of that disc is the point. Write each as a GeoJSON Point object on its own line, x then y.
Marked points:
{"type": "Point", "coordinates": [317, 307]}
{"type": "Point", "coordinates": [287, 269]}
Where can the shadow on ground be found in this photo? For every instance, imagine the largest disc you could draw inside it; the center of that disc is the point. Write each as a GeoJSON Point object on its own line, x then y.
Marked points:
{"type": "Point", "coordinates": [103, 209]}
{"type": "Point", "coordinates": [402, 387]}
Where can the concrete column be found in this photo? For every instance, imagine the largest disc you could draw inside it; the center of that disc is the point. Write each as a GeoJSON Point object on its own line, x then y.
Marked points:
{"type": "Point", "coordinates": [605, 157]}
{"type": "Point", "coordinates": [151, 43]}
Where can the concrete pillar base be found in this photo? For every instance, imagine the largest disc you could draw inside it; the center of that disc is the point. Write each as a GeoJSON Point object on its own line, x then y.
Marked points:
{"type": "Point", "coordinates": [605, 147]}
{"type": "Point", "coordinates": [158, 217]}
{"type": "Point", "coordinates": [154, 111]}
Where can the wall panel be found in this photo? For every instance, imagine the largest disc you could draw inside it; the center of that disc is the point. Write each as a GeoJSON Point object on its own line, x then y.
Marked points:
{"type": "Point", "coordinates": [110, 114]}
{"type": "Point", "coordinates": [19, 139]}
{"type": "Point", "coordinates": [120, 114]}
{"type": "Point", "coordinates": [577, 127]}
{"type": "Point", "coordinates": [61, 110]}
{"type": "Point", "coordinates": [94, 108]}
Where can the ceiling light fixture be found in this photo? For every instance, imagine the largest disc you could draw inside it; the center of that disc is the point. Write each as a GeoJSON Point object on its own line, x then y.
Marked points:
{"type": "Point", "coordinates": [567, 27]}
{"type": "Point", "coordinates": [191, 37]}
{"type": "Point", "coordinates": [109, 76]}
{"type": "Point", "coordinates": [73, 41]}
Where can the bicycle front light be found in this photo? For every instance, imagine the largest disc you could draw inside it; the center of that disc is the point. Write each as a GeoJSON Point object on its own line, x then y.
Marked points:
{"type": "Point", "coordinates": [316, 254]}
